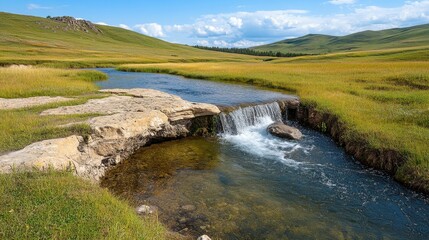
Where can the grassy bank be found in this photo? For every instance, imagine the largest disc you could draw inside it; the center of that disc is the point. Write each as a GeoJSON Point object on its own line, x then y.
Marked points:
{"type": "Point", "coordinates": [27, 81]}
{"type": "Point", "coordinates": [384, 102]}
{"type": "Point", "coordinates": [21, 127]}
{"type": "Point", "coordinates": [58, 205]}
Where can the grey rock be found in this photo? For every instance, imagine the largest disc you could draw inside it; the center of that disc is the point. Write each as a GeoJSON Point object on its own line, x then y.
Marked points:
{"type": "Point", "coordinates": [183, 220]}
{"type": "Point", "coordinates": [189, 208]}
{"type": "Point", "coordinates": [146, 210]}
{"type": "Point", "coordinates": [282, 130]}
{"type": "Point", "coordinates": [204, 237]}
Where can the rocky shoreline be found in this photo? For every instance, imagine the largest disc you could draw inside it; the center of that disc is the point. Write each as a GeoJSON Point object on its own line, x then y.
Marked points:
{"type": "Point", "coordinates": [131, 119]}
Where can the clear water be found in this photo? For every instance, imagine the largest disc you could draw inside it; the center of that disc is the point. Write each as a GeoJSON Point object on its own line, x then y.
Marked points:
{"type": "Point", "coordinates": [247, 184]}
{"type": "Point", "coordinates": [222, 94]}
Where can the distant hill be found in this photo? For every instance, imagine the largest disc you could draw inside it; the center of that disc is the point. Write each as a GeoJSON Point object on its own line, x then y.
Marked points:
{"type": "Point", "coordinates": [368, 40]}
{"type": "Point", "coordinates": [35, 39]}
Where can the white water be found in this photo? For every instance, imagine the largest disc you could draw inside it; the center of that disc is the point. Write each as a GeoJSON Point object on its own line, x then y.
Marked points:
{"type": "Point", "coordinates": [246, 128]}
{"type": "Point", "coordinates": [238, 121]}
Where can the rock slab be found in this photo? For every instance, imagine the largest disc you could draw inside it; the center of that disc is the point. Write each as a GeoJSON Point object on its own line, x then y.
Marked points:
{"type": "Point", "coordinates": [132, 119]}
{"type": "Point", "coordinates": [16, 103]}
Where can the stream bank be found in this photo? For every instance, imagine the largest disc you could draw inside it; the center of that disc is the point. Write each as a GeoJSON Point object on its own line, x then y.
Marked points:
{"type": "Point", "coordinates": [387, 160]}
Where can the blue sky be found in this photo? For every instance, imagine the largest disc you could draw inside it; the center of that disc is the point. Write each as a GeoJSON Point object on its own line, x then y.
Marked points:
{"type": "Point", "coordinates": [234, 23]}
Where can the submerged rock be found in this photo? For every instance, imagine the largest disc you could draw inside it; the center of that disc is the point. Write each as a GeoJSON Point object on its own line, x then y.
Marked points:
{"type": "Point", "coordinates": [146, 210]}
{"type": "Point", "coordinates": [189, 208]}
{"type": "Point", "coordinates": [282, 130]}
{"type": "Point", "coordinates": [204, 237]}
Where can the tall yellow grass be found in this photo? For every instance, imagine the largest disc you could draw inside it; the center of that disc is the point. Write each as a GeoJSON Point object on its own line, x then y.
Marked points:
{"type": "Point", "coordinates": [26, 81]}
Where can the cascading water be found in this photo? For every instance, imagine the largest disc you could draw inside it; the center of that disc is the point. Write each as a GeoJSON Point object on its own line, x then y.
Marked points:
{"type": "Point", "coordinates": [246, 128]}
{"type": "Point", "coordinates": [239, 120]}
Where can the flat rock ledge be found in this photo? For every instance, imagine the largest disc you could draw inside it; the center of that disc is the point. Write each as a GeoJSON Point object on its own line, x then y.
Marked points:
{"type": "Point", "coordinates": [132, 118]}
{"type": "Point", "coordinates": [16, 103]}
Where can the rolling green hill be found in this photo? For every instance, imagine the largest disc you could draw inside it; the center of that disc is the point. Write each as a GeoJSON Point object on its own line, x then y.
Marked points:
{"type": "Point", "coordinates": [368, 40]}
{"type": "Point", "coordinates": [38, 40]}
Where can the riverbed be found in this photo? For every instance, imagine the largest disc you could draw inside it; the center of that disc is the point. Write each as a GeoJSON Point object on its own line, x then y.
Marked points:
{"type": "Point", "coordinates": [247, 184]}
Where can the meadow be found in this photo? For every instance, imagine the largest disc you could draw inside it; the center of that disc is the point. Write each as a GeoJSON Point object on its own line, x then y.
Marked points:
{"type": "Point", "coordinates": [381, 95]}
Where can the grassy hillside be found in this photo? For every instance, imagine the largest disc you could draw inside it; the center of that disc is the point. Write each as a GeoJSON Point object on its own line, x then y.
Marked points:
{"type": "Point", "coordinates": [416, 36]}
{"type": "Point", "coordinates": [28, 39]}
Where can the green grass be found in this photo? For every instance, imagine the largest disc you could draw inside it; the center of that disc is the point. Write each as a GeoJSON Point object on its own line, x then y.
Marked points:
{"type": "Point", "coordinates": [416, 36]}
{"type": "Point", "coordinates": [384, 102]}
{"type": "Point", "coordinates": [25, 81]}
{"type": "Point", "coordinates": [21, 127]}
{"type": "Point", "coordinates": [58, 205]}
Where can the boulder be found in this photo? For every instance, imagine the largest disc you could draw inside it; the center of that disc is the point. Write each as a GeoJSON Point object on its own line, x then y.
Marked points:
{"type": "Point", "coordinates": [61, 153]}
{"type": "Point", "coordinates": [282, 130]}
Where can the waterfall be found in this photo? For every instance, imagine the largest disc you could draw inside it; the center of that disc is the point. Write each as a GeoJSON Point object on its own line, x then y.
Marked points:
{"type": "Point", "coordinates": [238, 120]}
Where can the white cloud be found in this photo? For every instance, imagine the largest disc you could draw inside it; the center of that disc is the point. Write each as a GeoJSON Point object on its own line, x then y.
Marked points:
{"type": "Point", "coordinates": [341, 2]}
{"type": "Point", "coordinates": [151, 29]}
{"type": "Point", "coordinates": [33, 6]}
{"type": "Point", "coordinates": [102, 23]}
{"type": "Point", "coordinates": [124, 26]}
{"type": "Point", "coordinates": [235, 22]}
{"type": "Point", "coordinates": [203, 43]}
{"type": "Point", "coordinates": [223, 43]}
{"type": "Point", "coordinates": [243, 29]}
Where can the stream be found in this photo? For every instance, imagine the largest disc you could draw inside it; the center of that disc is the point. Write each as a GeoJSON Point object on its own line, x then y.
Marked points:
{"type": "Point", "coordinates": [247, 184]}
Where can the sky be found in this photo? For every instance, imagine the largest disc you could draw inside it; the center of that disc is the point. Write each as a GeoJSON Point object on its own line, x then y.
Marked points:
{"type": "Point", "coordinates": [233, 23]}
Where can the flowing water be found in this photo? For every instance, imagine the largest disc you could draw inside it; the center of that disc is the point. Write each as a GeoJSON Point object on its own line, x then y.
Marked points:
{"type": "Point", "coordinates": [247, 184]}
{"type": "Point", "coordinates": [221, 94]}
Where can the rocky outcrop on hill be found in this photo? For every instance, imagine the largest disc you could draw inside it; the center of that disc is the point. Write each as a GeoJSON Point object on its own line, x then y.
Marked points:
{"type": "Point", "coordinates": [134, 118]}
{"type": "Point", "coordinates": [77, 24]}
